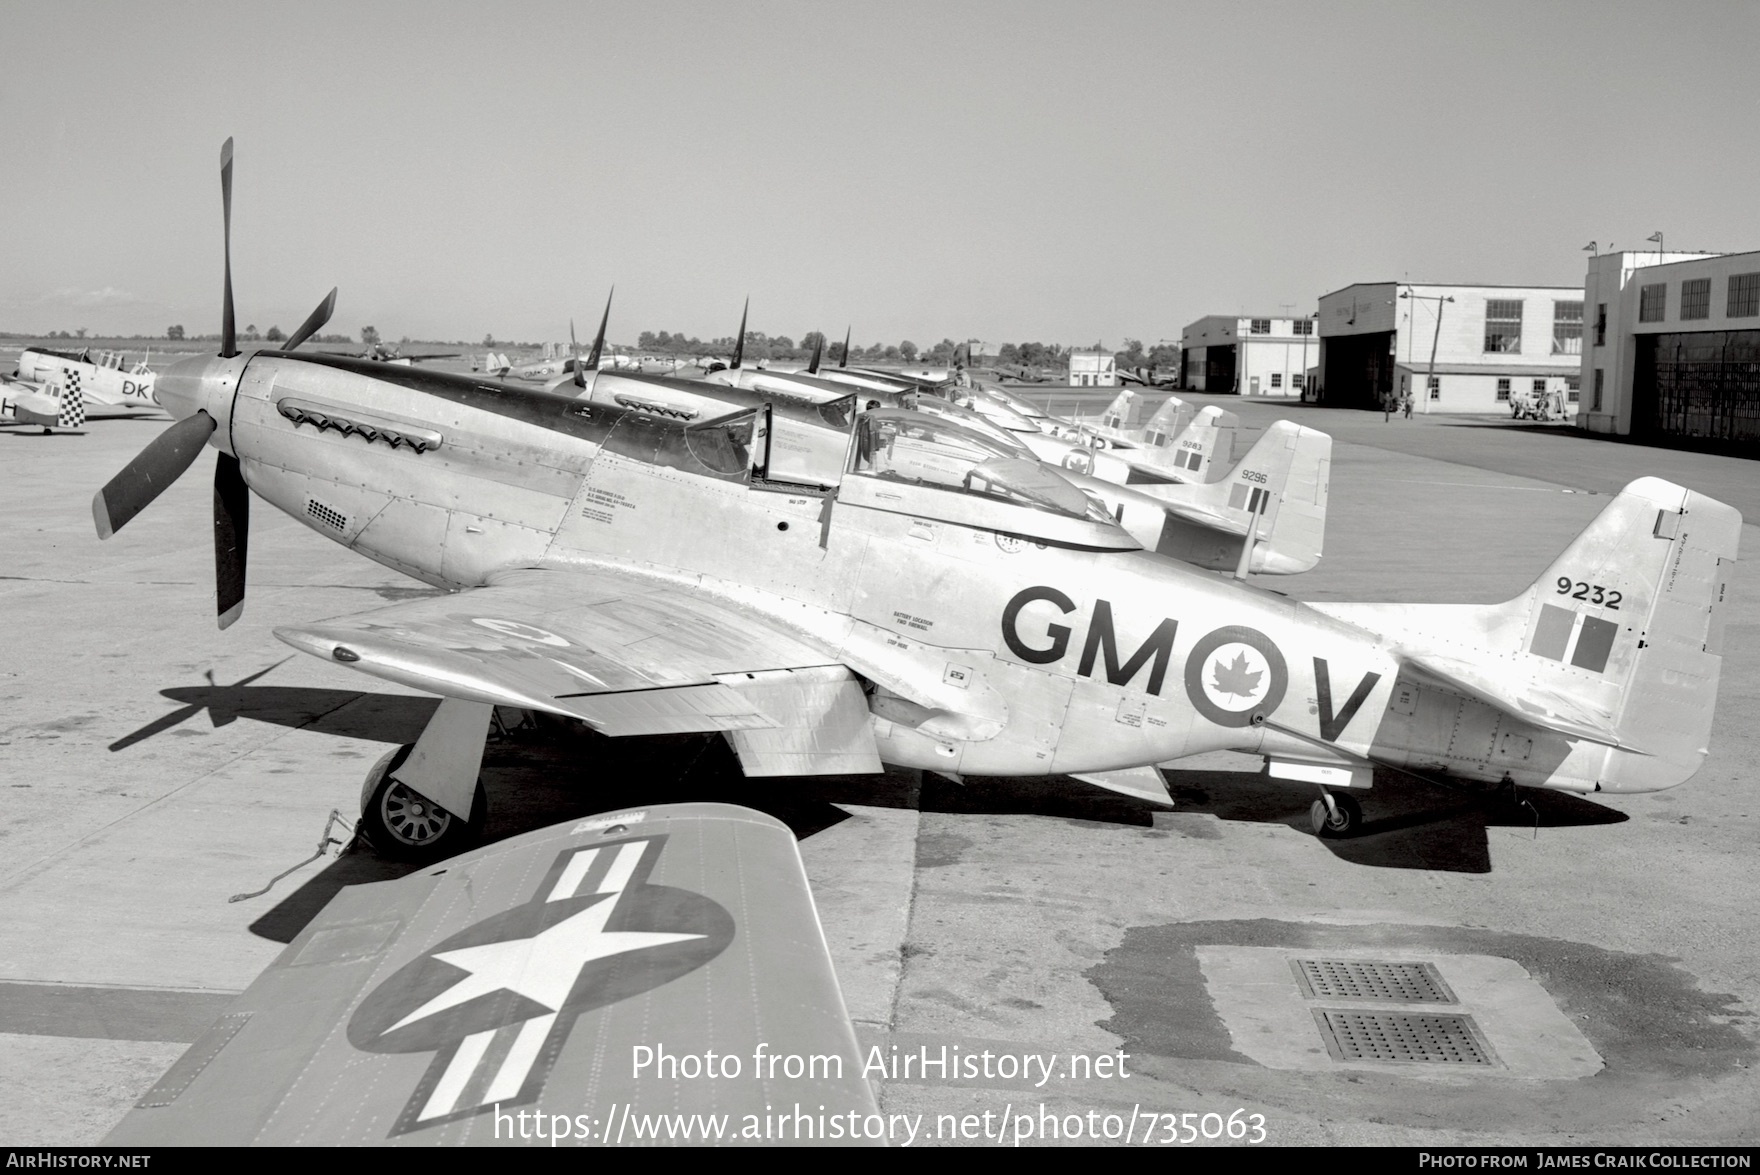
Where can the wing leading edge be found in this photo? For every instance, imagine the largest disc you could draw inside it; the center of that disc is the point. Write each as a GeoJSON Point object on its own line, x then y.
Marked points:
{"type": "Point", "coordinates": [626, 654]}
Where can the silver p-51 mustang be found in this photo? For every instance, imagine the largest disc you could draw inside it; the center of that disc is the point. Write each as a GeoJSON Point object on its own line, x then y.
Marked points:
{"type": "Point", "coordinates": [900, 603]}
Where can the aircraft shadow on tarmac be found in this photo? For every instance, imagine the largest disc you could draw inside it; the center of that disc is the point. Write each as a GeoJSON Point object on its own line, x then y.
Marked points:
{"type": "Point", "coordinates": [1407, 823]}
{"type": "Point", "coordinates": [547, 770]}
{"type": "Point", "coordinates": [387, 717]}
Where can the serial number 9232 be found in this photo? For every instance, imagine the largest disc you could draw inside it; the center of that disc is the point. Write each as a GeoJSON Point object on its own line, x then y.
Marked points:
{"type": "Point", "coordinates": [1592, 592]}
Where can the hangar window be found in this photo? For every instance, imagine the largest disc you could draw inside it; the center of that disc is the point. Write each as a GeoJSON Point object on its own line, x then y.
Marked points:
{"type": "Point", "coordinates": [1575, 386]}
{"type": "Point", "coordinates": [1653, 302]}
{"type": "Point", "coordinates": [1744, 295]}
{"type": "Point", "coordinates": [1277, 379]}
{"type": "Point", "coordinates": [1296, 381]}
{"type": "Point", "coordinates": [1302, 326]}
{"type": "Point", "coordinates": [1696, 298]}
{"type": "Point", "coordinates": [1567, 328]}
{"type": "Point", "coordinates": [1260, 326]}
{"type": "Point", "coordinates": [1539, 387]}
{"type": "Point", "coordinates": [1436, 387]}
{"type": "Point", "coordinates": [1503, 391]}
{"type": "Point", "coordinates": [1503, 325]}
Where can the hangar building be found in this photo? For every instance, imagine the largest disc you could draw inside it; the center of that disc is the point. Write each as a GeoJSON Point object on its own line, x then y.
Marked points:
{"type": "Point", "coordinates": [1491, 342]}
{"type": "Point", "coordinates": [1246, 356]}
{"type": "Point", "coordinates": [1675, 346]}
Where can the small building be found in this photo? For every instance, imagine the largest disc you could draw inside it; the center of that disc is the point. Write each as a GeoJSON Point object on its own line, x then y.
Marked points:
{"type": "Point", "coordinates": [1092, 369]}
{"type": "Point", "coordinates": [1226, 354]}
{"type": "Point", "coordinates": [1453, 348]}
{"type": "Point", "coordinates": [1675, 346]}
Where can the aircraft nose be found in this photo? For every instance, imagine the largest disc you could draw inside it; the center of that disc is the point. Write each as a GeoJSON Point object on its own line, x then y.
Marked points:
{"type": "Point", "coordinates": [188, 385]}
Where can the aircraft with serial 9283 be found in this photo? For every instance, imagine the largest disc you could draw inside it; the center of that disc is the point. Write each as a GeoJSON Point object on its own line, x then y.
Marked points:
{"type": "Point", "coordinates": [651, 575]}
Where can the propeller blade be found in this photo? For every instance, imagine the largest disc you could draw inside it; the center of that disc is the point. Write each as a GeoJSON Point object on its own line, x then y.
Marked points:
{"type": "Point", "coordinates": [232, 534]}
{"type": "Point", "coordinates": [574, 349]}
{"type": "Point", "coordinates": [844, 362]}
{"type": "Point", "coordinates": [739, 344]}
{"type": "Point", "coordinates": [228, 331]}
{"type": "Point", "coordinates": [818, 346]}
{"type": "Point", "coordinates": [153, 468]}
{"type": "Point", "coordinates": [314, 322]}
{"type": "Point", "coordinates": [599, 339]}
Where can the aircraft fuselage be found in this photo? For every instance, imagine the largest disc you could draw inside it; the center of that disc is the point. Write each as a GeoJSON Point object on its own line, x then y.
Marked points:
{"type": "Point", "coordinates": [1034, 642]}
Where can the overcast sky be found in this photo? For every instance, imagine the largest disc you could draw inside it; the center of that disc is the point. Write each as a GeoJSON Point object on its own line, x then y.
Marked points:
{"type": "Point", "coordinates": [1061, 172]}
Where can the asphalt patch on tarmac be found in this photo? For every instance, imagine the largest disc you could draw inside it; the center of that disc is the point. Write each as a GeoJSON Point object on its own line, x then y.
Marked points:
{"type": "Point", "coordinates": [1646, 1016]}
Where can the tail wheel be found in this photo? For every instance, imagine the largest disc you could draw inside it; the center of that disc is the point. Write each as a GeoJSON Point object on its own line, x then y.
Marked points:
{"type": "Point", "coordinates": [405, 825]}
{"type": "Point", "coordinates": [1342, 818]}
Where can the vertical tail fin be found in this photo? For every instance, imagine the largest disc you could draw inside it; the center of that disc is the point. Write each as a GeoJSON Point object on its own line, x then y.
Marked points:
{"type": "Point", "coordinates": [73, 405]}
{"type": "Point", "coordinates": [1203, 451]}
{"type": "Point", "coordinates": [1602, 675]}
{"type": "Point", "coordinates": [1630, 619]}
{"type": "Point", "coordinates": [1278, 490]}
{"type": "Point", "coordinates": [1121, 414]}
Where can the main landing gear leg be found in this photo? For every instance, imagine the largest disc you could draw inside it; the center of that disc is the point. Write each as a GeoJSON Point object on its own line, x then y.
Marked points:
{"type": "Point", "coordinates": [424, 800]}
{"type": "Point", "coordinates": [1335, 815]}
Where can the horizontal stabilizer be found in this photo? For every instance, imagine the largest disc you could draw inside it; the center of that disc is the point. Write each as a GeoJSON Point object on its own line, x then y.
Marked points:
{"type": "Point", "coordinates": [1531, 703]}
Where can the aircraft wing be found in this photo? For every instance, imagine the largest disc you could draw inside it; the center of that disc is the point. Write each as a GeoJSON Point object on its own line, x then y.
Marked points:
{"type": "Point", "coordinates": [627, 654]}
{"type": "Point", "coordinates": [1525, 701]}
{"type": "Point", "coordinates": [571, 982]}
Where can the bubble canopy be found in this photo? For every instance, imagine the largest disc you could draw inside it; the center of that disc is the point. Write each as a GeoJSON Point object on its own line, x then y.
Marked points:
{"type": "Point", "coordinates": [938, 453]}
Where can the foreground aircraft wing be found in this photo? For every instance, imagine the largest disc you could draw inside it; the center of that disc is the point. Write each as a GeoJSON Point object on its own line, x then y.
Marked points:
{"type": "Point", "coordinates": [567, 984]}
{"type": "Point", "coordinates": [627, 654]}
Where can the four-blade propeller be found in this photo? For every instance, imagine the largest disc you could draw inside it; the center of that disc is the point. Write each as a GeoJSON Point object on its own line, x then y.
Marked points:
{"type": "Point", "coordinates": [190, 386]}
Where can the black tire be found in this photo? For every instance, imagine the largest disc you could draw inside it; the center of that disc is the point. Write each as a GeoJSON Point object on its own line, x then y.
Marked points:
{"type": "Point", "coordinates": [402, 825]}
{"type": "Point", "coordinates": [1344, 819]}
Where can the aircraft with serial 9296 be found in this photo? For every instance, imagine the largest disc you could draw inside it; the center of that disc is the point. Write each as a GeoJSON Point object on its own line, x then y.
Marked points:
{"type": "Point", "coordinates": [650, 575]}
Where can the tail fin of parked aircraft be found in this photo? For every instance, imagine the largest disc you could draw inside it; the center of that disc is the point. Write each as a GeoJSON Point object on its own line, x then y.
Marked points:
{"type": "Point", "coordinates": [1618, 645]}
{"type": "Point", "coordinates": [1277, 492]}
{"type": "Point", "coordinates": [1203, 451]}
{"type": "Point", "coordinates": [1170, 420]}
{"type": "Point", "coordinates": [1121, 414]}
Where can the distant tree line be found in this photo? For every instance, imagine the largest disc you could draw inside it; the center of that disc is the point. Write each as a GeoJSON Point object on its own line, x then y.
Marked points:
{"type": "Point", "coordinates": [1160, 355]}
{"type": "Point", "coordinates": [781, 347]}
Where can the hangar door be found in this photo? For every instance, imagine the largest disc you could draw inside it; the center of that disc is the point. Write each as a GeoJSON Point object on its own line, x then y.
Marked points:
{"type": "Point", "coordinates": [1701, 384]}
{"type": "Point", "coordinates": [1219, 369]}
{"type": "Point", "coordinates": [1357, 370]}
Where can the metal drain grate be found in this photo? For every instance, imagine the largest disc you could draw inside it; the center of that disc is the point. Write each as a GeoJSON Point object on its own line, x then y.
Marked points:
{"type": "Point", "coordinates": [1353, 979]}
{"type": "Point", "coordinates": [1402, 1036]}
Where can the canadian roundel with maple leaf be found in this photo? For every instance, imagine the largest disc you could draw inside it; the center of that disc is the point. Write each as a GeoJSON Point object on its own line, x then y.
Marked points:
{"type": "Point", "coordinates": [1235, 673]}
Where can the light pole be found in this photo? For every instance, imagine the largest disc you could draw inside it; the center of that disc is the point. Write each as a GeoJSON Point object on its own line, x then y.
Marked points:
{"type": "Point", "coordinates": [1435, 338]}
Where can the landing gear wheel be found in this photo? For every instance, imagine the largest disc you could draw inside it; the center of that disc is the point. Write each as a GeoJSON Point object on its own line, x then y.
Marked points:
{"type": "Point", "coordinates": [404, 825]}
{"type": "Point", "coordinates": [1342, 819]}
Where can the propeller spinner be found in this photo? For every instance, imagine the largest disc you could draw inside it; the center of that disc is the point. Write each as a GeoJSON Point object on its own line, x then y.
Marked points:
{"type": "Point", "coordinates": [198, 391]}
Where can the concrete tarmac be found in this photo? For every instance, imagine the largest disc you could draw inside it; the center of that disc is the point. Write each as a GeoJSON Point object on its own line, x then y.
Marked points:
{"type": "Point", "coordinates": [152, 768]}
